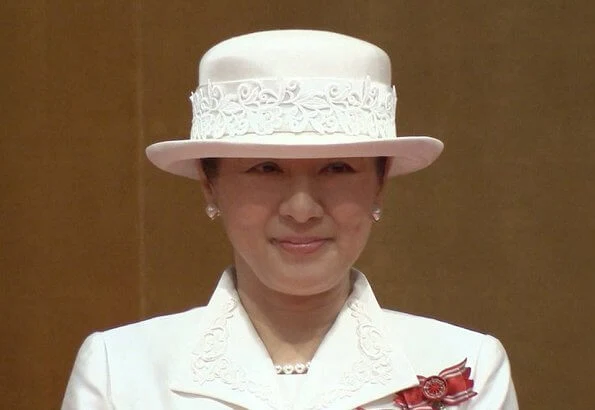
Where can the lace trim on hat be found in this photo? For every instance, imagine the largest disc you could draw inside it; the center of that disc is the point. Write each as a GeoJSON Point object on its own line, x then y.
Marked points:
{"type": "Point", "coordinates": [319, 106]}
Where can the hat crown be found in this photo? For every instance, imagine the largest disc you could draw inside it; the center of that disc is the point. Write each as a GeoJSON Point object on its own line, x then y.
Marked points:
{"type": "Point", "coordinates": [294, 86]}
{"type": "Point", "coordinates": [294, 94]}
{"type": "Point", "coordinates": [294, 54]}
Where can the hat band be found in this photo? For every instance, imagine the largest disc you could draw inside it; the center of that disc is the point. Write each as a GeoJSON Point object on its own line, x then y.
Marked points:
{"type": "Point", "coordinates": [355, 107]}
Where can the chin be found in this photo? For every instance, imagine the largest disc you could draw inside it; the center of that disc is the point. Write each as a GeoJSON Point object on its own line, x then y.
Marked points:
{"type": "Point", "coordinates": [293, 281]}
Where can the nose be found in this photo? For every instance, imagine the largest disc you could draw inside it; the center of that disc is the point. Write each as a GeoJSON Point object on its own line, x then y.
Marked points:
{"type": "Point", "coordinates": [301, 203]}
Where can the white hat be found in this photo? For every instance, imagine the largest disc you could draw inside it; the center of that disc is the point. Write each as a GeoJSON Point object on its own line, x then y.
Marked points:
{"type": "Point", "coordinates": [294, 94]}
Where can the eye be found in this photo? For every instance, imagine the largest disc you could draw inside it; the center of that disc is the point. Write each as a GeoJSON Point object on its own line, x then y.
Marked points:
{"type": "Point", "coordinates": [265, 168]}
{"type": "Point", "coordinates": [338, 167]}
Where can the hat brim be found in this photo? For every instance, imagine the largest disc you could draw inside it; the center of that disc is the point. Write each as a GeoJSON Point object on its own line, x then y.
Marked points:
{"type": "Point", "coordinates": [409, 154]}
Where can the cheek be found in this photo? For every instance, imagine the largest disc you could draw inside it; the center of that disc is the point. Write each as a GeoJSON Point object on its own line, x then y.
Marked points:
{"type": "Point", "coordinates": [348, 211]}
{"type": "Point", "coordinates": [352, 202]}
{"type": "Point", "coordinates": [353, 220]}
{"type": "Point", "coordinates": [351, 210]}
{"type": "Point", "coordinates": [243, 219]}
{"type": "Point", "coordinates": [244, 214]}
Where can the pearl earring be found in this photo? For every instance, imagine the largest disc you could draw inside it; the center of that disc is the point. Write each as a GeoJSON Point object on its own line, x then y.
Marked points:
{"type": "Point", "coordinates": [376, 213]}
{"type": "Point", "coordinates": [212, 211]}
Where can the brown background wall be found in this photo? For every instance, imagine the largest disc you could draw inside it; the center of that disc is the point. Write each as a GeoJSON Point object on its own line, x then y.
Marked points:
{"type": "Point", "coordinates": [497, 236]}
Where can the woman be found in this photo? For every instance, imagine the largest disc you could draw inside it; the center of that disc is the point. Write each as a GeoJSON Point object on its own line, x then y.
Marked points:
{"type": "Point", "coordinates": [293, 140]}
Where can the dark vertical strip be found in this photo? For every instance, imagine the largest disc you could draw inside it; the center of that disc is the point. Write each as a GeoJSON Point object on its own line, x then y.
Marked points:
{"type": "Point", "coordinates": [140, 175]}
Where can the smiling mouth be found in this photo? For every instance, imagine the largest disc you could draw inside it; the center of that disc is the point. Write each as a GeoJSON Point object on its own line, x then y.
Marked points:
{"type": "Point", "coordinates": [300, 246]}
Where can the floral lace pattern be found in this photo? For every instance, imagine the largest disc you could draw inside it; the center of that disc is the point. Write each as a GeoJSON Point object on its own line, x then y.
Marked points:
{"type": "Point", "coordinates": [210, 363]}
{"type": "Point", "coordinates": [320, 106]}
{"type": "Point", "coordinates": [374, 367]}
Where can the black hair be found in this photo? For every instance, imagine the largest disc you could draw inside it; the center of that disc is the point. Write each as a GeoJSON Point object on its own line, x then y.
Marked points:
{"type": "Point", "coordinates": [210, 167]}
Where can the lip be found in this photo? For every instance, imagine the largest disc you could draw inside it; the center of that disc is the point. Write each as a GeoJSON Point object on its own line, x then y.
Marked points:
{"type": "Point", "coordinates": [300, 245]}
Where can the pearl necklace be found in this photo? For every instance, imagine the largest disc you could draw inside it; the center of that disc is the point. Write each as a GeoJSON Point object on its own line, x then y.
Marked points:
{"type": "Point", "coordinates": [296, 368]}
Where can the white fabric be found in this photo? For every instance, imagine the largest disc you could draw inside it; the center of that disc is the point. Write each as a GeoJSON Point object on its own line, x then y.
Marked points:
{"type": "Point", "coordinates": [211, 358]}
{"type": "Point", "coordinates": [310, 106]}
{"type": "Point", "coordinates": [294, 94]}
{"type": "Point", "coordinates": [291, 385]}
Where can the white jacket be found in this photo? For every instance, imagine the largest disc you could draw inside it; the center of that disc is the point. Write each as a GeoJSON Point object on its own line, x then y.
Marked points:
{"type": "Point", "coordinates": [211, 358]}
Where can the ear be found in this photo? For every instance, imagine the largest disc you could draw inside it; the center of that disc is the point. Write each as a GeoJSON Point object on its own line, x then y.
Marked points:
{"type": "Point", "coordinates": [206, 186]}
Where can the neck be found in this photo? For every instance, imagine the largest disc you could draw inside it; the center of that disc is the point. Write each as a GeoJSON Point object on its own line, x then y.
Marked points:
{"type": "Point", "coordinates": [291, 327]}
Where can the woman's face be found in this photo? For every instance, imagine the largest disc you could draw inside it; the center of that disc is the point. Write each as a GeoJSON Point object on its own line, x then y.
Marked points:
{"type": "Point", "coordinates": [296, 225]}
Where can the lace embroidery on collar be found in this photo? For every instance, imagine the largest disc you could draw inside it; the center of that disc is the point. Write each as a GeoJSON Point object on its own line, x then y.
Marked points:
{"type": "Point", "coordinates": [374, 365]}
{"type": "Point", "coordinates": [211, 364]}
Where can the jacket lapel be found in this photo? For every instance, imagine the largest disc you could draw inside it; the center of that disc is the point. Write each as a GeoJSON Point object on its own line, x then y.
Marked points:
{"type": "Point", "coordinates": [226, 360]}
{"type": "Point", "coordinates": [359, 361]}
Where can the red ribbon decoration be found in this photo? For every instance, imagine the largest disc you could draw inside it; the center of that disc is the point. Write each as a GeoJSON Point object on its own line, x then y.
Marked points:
{"type": "Point", "coordinates": [452, 386]}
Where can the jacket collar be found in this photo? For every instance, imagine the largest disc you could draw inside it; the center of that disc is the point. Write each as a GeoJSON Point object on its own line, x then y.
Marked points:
{"type": "Point", "coordinates": [358, 361]}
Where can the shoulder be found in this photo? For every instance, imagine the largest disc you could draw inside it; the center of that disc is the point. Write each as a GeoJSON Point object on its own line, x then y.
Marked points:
{"type": "Point", "coordinates": [156, 334]}
{"type": "Point", "coordinates": [157, 325]}
{"type": "Point", "coordinates": [123, 361]}
{"type": "Point", "coordinates": [148, 344]}
{"type": "Point", "coordinates": [434, 345]}
{"type": "Point", "coordinates": [420, 328]}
